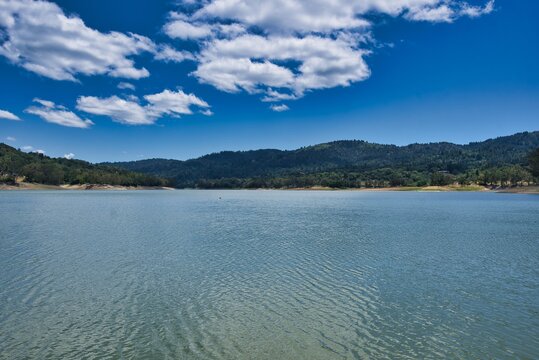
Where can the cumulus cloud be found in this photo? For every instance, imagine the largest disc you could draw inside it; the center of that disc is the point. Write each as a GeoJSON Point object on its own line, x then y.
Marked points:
{"type": "Point", "coordinates": [126, 86]}
{"type": "Point", "coordinates": [448, 12]}
{"type": "Point", "coordinates": [231, 75]}
{"type": "Point", "coordinates": [274, 96]}
{"type": "Point", "coordinates": [8, 116]}
{"type": "Point", "coordinates": [45, 103]}
{"type": "Point", "coordinates": [288, 15]}
{"type": "Point", "coordinates": [285, 48]}
{"type": "Point", "coordinates": [130, 111]}
{"type": "Point", "coordinates": [279, 49]}
{"type": "Point", "coordinates": [441, 13]}
{"type": "Point", "coordinates": [232, 64]}
{"type": "Point", "coordinates": [11, 138]}
{"type": "Point", "coordinates": [40, 37]}
{"type": "Point", "coordinates": [167, 53]}
{"type": "Point", "coordinates": [180, 28]}
{"type": "Point", "coordinates": [174, 103]}
{"type": "Point", "coordinates": [279, 108]}
{"type": "Point", "coordinates": [57, 114]}
{"type": "Point", "coordinates": [319, 16]}
{"type": "Point", "coordinates": [118, 109]}
{"type": "Point", "coordinates": [69, 156]}
{"type": "Point", "coordinates": [476, 11]}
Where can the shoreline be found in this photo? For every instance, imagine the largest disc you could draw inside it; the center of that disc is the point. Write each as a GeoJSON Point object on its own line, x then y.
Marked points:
{"type": "Point", "coordinates": [471, 188]}
{"type": "Point", "coordinates": [451, 188]}
{"type": "Point", "coordinates": [34, 186]}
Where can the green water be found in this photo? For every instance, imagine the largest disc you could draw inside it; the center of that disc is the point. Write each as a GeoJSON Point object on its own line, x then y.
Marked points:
{"type": "Point", "coordinates": [268, 275]}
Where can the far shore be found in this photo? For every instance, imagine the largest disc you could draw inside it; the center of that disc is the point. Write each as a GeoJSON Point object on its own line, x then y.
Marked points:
{"type": "Point", "coordinates": [450, 188]}
{"type": "Point", "coordinates": [34, 186]}
{"type": "Point", "coordinates": [533, 189]}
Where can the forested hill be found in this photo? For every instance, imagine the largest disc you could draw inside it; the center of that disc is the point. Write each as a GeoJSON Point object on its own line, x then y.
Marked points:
{"type": "Point", "coordinates": [352, 164]}
{"type": "Point", "coordinates": [38, 168]}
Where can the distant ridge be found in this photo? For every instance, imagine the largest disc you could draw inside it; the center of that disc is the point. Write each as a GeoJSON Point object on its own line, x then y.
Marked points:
{"type": "Point", "coordinates": [17, 166]}
{"type": "Point", "coordinates": [352, 163]}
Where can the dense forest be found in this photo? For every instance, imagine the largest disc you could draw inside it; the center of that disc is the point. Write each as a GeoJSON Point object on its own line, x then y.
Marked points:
{"type": "Point", "coordinates": [38, 168]}
{"type": "Point", "coordinates": [503, 161]}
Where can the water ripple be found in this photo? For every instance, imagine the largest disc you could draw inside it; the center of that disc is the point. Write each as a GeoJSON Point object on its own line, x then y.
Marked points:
{"type": "Point", "coordinates": [265, 275]}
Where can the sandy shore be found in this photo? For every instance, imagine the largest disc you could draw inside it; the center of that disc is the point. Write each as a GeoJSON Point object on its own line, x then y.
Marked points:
{"type": "Point", "coordinates": [521, 190]}
{"type": "Point", "coordinates": [451, 188]}
{"type": "Point", "coordinates": [469, 188]}
{"type": "Point", "coordinates": [400, 188]}
{"type": "Point", "coordinates": [33, 186]}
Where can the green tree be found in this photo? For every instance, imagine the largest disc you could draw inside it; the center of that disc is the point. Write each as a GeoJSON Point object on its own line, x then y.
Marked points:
{"type": "Point", "coordinates": [534, 162]}
{"type": "Point", "coordinates": [440, 179]}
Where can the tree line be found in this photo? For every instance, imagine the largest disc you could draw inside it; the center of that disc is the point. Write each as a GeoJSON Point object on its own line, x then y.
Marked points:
{"type": "Point", "coordinates": [38, 168]}
{"type": "Point", "coordinates": [352, 164]}
{"type": "Point", "coordinates": [506, 161]}
{"type": "Point", "coordinates": [505, 176]}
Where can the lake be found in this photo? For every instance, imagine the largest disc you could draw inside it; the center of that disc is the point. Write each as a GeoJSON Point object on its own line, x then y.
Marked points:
{"type": "Point", "coordinates": [268, 275]}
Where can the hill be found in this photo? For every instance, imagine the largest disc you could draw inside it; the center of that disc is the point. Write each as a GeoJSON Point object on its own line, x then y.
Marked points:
{"type": "Point", "coordinates": [353, 163]}
{"type": "Point", "coordinates": [38, 168]}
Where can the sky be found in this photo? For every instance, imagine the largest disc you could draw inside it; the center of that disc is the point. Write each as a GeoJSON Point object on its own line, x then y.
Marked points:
{"type": "Point", "coordinates": [133, 79]}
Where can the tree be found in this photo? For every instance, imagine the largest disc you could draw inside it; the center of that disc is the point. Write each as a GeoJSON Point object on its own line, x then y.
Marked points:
{"type": "Point", "coordinates": [534, 162]}
{"type": "Point", "coordinates": [42, 169]}
{"type": "Point", "coordinates": [440, 179]}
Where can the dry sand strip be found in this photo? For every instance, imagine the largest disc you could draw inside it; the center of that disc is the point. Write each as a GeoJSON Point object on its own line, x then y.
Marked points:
{"type": "Point", "coordinates": [33, 186]}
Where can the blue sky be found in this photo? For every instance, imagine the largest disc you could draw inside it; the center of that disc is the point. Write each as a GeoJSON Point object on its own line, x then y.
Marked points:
{"type": "Point", "coordinates": [203, 76]}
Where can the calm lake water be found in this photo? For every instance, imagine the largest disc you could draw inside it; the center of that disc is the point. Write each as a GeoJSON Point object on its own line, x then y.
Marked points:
{"type": "Point", "coordinates": [268, 275]}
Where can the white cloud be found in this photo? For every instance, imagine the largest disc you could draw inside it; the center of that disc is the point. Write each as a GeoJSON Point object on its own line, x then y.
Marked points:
{"type": "Point", "coordinates": [131, 112]}
{"type": "Point", "coordinates": [448, 12]}
{"type": "Point", "coordinates": [275, 96]}
{"type": "Point", "coordinates": [118, 109]}
{"type": "Point", "coordinates": [476, 11]}
{"type": "Point", "coordinates": [173, 103]}
{"type": "Point", "coordinates": [317, 16]}
{"type": "Point", "coordinates": [57, 114]}
{"type": "Point", "coordinates": [40, 37]}
{"type": "Point", "coordinates": [229, 30]}
{"type": "Point", "coordinates": [126, 86]}
{"type": "Point", "coordinates": [69, 156]}
{"type": "Point", "coordinates": [231, 64]}
{"type": "Point", "coordinates": [441, 13]}
{"type": "Point", "coordinates": [40, 151]}
{"type": "Point", "coordinates": [284, 48]}
{"type": "Point", "coordinates": [279, 48]}
{"type": "Point", "coordinates": [8, 116]}
{"type": "Point", "coordinates": [207, 112]}
{"type": "Point", "coordinates": [279, 108]}
{"type": "Point", "coordinates": [231, 75]}
{"type": "Point", "coordinates": [179, 28]}
{"type": "Point", "coordinates": [11, 138]}
{"type": "Point", "coordinates": [45, 103]}
{"type": "Point", "coordinates": [167, 53]}
{"type": "Point", "coordinates": [280, 16]}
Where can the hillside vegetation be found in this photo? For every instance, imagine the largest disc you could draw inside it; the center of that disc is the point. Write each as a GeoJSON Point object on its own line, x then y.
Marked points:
{"type": "Point", "coordinates": [38, 168]}
{"type": "Point", "coordinates": [502, 161]}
